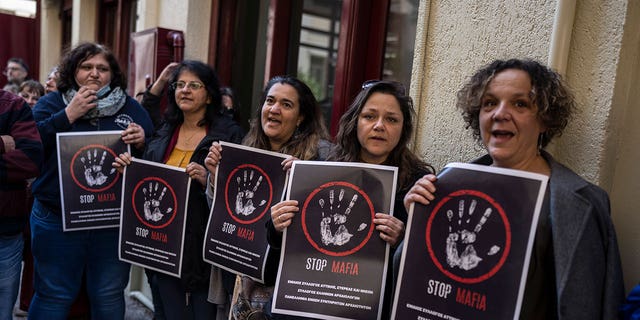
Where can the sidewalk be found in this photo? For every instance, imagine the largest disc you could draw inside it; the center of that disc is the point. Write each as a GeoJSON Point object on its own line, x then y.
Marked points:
{"type": "Point", "coordinates": [134, 311]}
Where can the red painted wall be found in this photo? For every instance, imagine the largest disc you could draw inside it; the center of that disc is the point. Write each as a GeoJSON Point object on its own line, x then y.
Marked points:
{"type": "Point", "coordinates": [19, 39]}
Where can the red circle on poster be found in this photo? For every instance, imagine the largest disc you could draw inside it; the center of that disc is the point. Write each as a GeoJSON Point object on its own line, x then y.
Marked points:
{"type": "Point", "coordinates": [135, 205]}
{"type": "Point", "coordinates": [73, 173]}
{"type": "Point", "coordinates": [267, 205]}
{"type": "Point", "coordinates": [304, 218]}
{"type": "Point", "coordinates": [507, 232]}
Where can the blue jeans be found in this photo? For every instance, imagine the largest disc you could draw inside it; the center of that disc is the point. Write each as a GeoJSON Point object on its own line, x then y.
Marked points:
{"type": "Point", "coordinates": [10, 266]}
{"type": "Point", "coordinates": [62, 258]}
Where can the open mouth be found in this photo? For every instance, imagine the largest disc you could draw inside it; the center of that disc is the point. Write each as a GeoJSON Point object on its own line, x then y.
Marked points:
{"type": "Point", "coordinates": [502, 134]}
{"type": "Point", "coordinates": [273, 120]}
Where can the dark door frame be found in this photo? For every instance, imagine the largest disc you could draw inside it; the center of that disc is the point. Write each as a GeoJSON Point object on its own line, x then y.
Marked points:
{"type": "Point", "coordinates": [360, 55]}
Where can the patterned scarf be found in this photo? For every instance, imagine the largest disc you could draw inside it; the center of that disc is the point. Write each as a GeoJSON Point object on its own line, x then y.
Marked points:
{"type": "Point", "coordinates": [107, 105]}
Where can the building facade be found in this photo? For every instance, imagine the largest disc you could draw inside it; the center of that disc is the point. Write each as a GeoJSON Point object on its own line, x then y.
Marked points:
{"type": "Point", "coordinates": [432, 46]}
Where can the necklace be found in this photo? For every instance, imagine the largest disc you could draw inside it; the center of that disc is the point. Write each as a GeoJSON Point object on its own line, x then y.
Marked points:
{"type": "Point", "coordinates": [186, 141]}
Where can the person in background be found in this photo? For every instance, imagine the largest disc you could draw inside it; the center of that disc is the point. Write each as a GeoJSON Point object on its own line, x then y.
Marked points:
{"type": "Point", "coordinates": [230, 103]}
{"type": "Point", "coordinates": [16, 72]}
{"type": "Point", "coordinates": [31, 91]}
{"type": "Point", "coordinates": [90, 97]}
{"type": "Point", "coordinates": [289, 121]}
{"type": "Point", "coordinates": [51, 84]}
{"type": "Point", "coordinates": [191, 124]}
{"type": "Point", "coordinates": [20, 159]}
{"type": "Point", "coordinates": [376, 129]}
{"type": "Point", "coordinates": [514, 109]}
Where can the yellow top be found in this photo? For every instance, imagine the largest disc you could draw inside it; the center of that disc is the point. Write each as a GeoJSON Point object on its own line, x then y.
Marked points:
{"type": "Point", "coordinates": [179, 158]}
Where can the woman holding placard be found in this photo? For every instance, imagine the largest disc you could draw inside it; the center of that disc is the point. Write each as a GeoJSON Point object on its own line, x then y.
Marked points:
{"type": "Point", "coordinates": [91, 97]}
{"type": "Point", "coordinates": [290, 121]}
{"type": "Point", "coordinates": [514, 108]}
{"type": "Point", "coordinates": [191, 123]}
{"type": "Point", "coordinates": [376, 129]}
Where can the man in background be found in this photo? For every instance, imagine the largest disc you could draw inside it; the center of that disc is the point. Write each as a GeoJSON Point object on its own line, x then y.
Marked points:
{"type": "Point", "coordinates": [16, 72]}
{"type": "Point", "coordinates": [21, 154]}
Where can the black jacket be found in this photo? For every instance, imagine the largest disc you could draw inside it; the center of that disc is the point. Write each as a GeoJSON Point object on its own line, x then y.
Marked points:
{"type": "Point", "coordinates": [195, 272]}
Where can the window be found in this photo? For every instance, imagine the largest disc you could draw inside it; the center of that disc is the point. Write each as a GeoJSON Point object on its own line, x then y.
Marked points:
{"type": "Point", "coordinates": [400, 40]}
{"type": "Point", "coordinates": [318, 49]}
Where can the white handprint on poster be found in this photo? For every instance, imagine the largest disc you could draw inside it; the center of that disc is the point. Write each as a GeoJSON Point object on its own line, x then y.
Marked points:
{"type": "Point", "coordinates": [90, 186]}
{"type": "Point", "coordinates": [98, 176]}
{"type": "Point", "coordinates": [475, 232]}
{"type": "Point", "coordinates": [154, 204]}
{"type": "Point", "coordinates": [336, 231]}
{"type": "Point", "coordinates": [466, 254]}
{"type": "Point", "coordinates": [248, 193]}
{"type": "Point", "coordinates": [158, 202]}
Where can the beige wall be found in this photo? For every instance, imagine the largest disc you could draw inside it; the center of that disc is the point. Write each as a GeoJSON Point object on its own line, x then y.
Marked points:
{"type": "Point", "coordinates": [456, 37]}
{"type": "Point", "coordinates": [192, 17]}
{"type": "Point", "coordinates": [624, 154]}
{"type": "Point", "coordinates": [83, 24]}
{"type": "Point", "coordinates": [147, 14]}
{"type": "Point", "coordinates": [50, 29]}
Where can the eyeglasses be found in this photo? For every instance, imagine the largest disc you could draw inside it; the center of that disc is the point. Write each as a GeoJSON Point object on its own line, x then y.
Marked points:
{"type": "Point", "coordinates": [192, 85]}
{"type": "Point", "coordinates": [397, 86]}
{"type": "Point", "coordinates": [11, 69]}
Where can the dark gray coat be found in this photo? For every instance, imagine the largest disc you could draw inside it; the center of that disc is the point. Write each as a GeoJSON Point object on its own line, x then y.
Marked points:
{"type": "Point", "coordinates": [589, 281]}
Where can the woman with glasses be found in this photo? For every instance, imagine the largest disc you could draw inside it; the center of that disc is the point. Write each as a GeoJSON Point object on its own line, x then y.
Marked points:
{"type": "Point", "coordinates": [192, 122]}
{"type": "Point", "coordinates": [91, 97]}
{"type": "Point", "coordinates": [376, 129]}
{"type": "Point", "coordinates": [16, 72]}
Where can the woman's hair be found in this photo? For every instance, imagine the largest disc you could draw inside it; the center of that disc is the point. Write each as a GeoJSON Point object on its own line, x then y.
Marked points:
{"type": "Point", "coordinates": [208, 77]}
{"type": "Point", "coordinates": [73, 58]}
{"type": "Point", "coordinates": [235, 106]}
{"type": "Point", "coordinates": [303, 144]}
{"type": "Point", "coordinates": [226, 91]}
{"type": "Point", "coordinates": [32, 86]}
{"type": "Point", "coordinates": [54, 71]}
{"type": "Point", "coordinates": [549, 93]}
{"type": "Point", "coordinates": [348, 146]}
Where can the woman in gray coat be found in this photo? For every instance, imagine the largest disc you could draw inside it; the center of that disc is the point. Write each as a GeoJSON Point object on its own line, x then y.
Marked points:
{"type": "Point", "coordinates": [514, 109]}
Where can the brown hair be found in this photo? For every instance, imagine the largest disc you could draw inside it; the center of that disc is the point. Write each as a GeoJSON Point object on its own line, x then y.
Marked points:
{"type": "Point", "coordinates": [82, 52]}
{"type": "Point", "coordinates": [550, 94]}
{"type": "Point", "coordinates": [303, 144]}
{"type": "Point", "coordinates": [348, 147]}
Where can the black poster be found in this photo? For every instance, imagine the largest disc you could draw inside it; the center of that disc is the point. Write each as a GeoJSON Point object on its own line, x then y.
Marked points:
{"type": "Point", "coordinates": [466, 254]}
{"type": "Point", "coordinates": [89, 186]}
{"type": "Point", "coordinates": [248, 182]}
{"type": "Point", "coordinates": [154, 211]}
{"type": "Point", "coordinates": [333, 263]}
